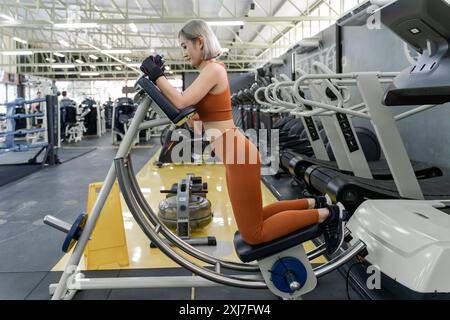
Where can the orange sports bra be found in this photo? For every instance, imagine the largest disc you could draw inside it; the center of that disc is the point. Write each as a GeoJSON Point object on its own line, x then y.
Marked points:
{"type": "Point", "coordinates": [215, 107]}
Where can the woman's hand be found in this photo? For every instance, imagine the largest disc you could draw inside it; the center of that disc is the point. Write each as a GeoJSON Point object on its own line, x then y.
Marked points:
{"type": "Point", "coordinates": [152, 67]}
{"type": "Point", "coordinates": [159, 60]}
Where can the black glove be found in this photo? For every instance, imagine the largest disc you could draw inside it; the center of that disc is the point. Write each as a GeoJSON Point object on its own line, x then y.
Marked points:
{"type": "Point", "coordinates": [159, 60]}
{"type": "Point", "coordinates": [152, 69]}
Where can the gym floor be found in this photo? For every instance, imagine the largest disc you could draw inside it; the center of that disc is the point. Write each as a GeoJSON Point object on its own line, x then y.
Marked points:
{"type": "Point", "coordinates": [31, 256]}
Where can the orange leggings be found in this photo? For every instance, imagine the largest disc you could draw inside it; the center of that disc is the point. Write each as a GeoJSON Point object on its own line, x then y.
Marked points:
{"type": "Point", "coordinates": [257, 224]}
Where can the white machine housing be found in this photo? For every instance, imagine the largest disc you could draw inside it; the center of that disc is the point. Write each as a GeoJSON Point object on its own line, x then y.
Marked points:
{"type": "Point", "coordinates": [409, 241]}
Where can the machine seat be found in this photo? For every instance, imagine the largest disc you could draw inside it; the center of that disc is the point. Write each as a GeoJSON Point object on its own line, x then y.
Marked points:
{"type": "Point", "coordinates": [249, 253]}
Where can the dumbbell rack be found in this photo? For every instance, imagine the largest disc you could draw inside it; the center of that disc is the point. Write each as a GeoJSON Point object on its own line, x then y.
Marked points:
{"type": "Point", "coordinates": [9, 118]}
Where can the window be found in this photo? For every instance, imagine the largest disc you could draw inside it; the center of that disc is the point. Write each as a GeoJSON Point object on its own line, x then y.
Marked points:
{"type": "Point", "coordinates": [2, 93]}
{"type": "Point", "coordinates": [11, 93]}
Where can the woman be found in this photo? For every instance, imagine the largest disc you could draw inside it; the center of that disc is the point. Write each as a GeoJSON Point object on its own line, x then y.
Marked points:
{"type": "Point", "coordinates": [210, 94]}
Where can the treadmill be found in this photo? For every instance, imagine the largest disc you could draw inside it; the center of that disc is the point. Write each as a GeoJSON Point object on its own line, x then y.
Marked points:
{"type": "Point", "coordinates": [426, 28]}
{"type": "Point", "coordinates": [297, 164]}
{"type": "Point", "coordinates": [355, 138]}
{"type": "Point", "coordinates": [408, 240]}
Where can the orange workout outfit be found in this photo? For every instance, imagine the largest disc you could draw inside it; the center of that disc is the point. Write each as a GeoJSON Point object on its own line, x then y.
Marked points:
{"type": "Point", "coordinates": [257, 224]}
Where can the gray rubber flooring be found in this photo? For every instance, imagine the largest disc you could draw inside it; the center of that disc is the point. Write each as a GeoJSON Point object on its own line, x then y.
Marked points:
{"type": "Point", "coordinates": [35, 286]}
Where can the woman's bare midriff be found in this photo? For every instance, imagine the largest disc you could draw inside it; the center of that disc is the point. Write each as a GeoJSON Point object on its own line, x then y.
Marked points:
{"type": "Point", "coordinates": [222, 126]}
{"type": "Point", "coordinates": [215, 129]}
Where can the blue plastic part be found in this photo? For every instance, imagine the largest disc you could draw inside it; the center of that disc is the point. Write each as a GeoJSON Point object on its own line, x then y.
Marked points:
{"type": "Point", "coordinates": [74, 233]}
{"type": "Point", "coordinates": [285, 267]}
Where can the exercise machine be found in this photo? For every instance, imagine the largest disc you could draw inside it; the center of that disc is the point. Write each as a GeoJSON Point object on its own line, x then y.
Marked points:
{"type": "Point", "coordinates": [94, 121]}
{"type": "Point", "coordinates": [408, 240]}
{"type": "Point", "coordinates": [122, 113]}
{"type": "Point", "coordinates": [186, 208]}
{"type": "Point", "coordinates": [72, 121]}
{"type": "Point", "coordinates": [352, 190]}
{"type": "Point", "coordinates": [108, 108]}
{"type": "Point", "coordinates": [173, 137]}
{"type": "Point", "coordinates": [294, 273]}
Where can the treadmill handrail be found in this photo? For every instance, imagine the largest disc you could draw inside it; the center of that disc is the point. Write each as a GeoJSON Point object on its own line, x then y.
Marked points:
{"type": "Point", "coordinates": [279, 100]}
{"type": "Point", "coordinates": [264, 103]}
{"type": "Point", "coordinates": [274, 104]}
{"type": "Point", "coordinates": [323, 69]}
{"type": "Point", "coordinates": [299, 109]}
{"type": "Point", "coordinates": [415, 111]}
{"type": "Point", "coordinates": [322, 112]}
{"type": "Point", "coordinates": [272, 108]}
{"type": "Point", "coordinates": [326, 77]}
{"type": "Point", "coordinates": [360, 114]}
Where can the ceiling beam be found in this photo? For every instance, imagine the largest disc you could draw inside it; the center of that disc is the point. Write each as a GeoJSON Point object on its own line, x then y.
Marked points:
{"type": "Point", "coordinates": [135, 49]}
{"type": "Point", "coordinates": [113, 64]}
{"type": "Point", "coordinates": [132, 74]}
{"type": "Point", "coordinates": [170, 20]}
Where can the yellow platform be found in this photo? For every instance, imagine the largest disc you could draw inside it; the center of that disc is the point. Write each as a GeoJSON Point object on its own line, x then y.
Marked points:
{"type": "Point", "coordinates": [151, 180]}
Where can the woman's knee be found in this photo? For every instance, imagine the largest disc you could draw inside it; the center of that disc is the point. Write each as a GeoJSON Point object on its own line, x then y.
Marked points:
{"type": "Point", "coordinates": [251, 236]}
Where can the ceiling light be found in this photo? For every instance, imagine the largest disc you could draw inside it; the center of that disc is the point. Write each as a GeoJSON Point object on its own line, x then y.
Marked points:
{"type": "Point", "coordinates": [117, 51]}
{"type": "Point", "coordinates": [88, 74]}
{"type": "Point", "coordinates": [92, 66]}
{"type": "Point", "coordinates": [167, 68]}
{"type": "Point", "coordinates": [118, 68]}
{"type": "Point", "coordinates": [133, 27]}
{"type": "Point", "coordinates": [79, 61]}
{"type": "Point", "coordinates": [64, 43]}
{"type": "Point", "coordinates": [127, 59]}
{"type": "Point", "coordinates": [63, 66]}
{"type": "Point", "coordinates": [58, 54]}
{"type": "Point", "coordinates": [107, 46]}
{"type": "Point", "coordinates": [75, 25]}
{"type": "Point", "coordinates": [17, 53]}
{"type": "Point", "coordinates": [20, 40]}
{"type": "Point", "coordinates": [133, 65]}
{"type": "Point", "coordinates": [93, 57]}
{"type": "Point", "coordinates": [50, 60]}
{"type": "Point", "coordinates": [4, 16]}
{"type": "Point", "coordinates": [226, 23]}
{"type": "Point", "coordinates": [225, 50]}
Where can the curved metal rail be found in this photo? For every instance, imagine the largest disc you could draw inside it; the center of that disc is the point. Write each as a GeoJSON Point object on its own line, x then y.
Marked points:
{"type": "Point", "coordinates": [153, 234]}
{"type": "Point", "coordinates": [191, 250]}
{"type": "Point", "coordinates": [128, 189]}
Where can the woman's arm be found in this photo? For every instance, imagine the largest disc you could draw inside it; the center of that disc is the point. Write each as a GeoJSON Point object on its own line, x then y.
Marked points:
{"type": "Point", "coordinates": [208, 78]}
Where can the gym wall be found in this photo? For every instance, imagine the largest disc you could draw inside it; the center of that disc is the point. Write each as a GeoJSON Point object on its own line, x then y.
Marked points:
{"type": "Point", "coordinates": [294, 60]}
{"type": "Point", "coordinates": [237, 80]}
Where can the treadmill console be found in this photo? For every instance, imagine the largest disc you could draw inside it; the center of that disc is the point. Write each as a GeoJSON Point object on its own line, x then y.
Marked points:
{"type": "Point", "coordinates": [311, 129]}
{"type": "Point", "coordinates": [425, 25]}
{"type": "Point", "coordinates": [347, 131]}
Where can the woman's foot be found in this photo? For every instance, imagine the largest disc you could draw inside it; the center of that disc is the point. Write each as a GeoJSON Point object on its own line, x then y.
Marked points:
{"type": "Point", "coordinates": [322, 202]}
{"type": "Point", "coordinates": [333, 228]}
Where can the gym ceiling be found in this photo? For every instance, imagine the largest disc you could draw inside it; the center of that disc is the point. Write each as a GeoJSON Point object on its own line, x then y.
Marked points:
{"type": "Point", "coordinates": [107, 39]}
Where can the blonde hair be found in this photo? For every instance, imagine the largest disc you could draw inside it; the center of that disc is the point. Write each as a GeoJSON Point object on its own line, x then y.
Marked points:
{"type": "Point", "coordinates": [197, 28]}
